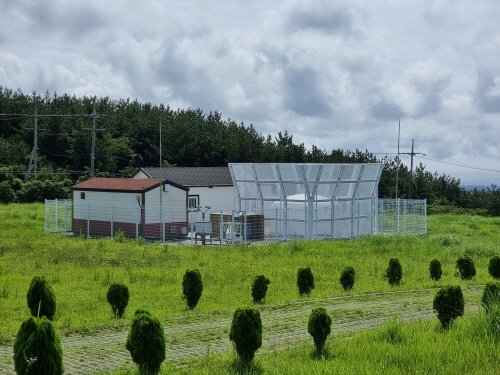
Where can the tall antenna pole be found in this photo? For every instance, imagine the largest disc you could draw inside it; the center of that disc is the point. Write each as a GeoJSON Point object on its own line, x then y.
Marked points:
{"type": "Point", "coordinates": [35, 146]}
{"type": "Point", "coordinates": [92, 152]}
{"type": "Point", "coordinates": [161, 193]}
{"type": "Point", "coordinates": [411, 166]}
{"type": "Point", "coordinates": [397, 178]}
{"type": "Point", "coordinates": [33, 162]}
{"type": "Point", "coordinates": [397, 160]}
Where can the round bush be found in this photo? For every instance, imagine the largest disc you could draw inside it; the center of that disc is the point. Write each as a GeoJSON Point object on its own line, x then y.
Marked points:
{"type": "Point", "coordinates": [494, 267]}
{"type": "Point", "coordinates": [466, 268]}
{"type": "Point", "coordinates": [394, 272]}
{"type": "Point", "coordinates": [146, 342]}
{"type": "Point", "coordinates": [41, 298]}
{"type": "Point", "coordinates": [246, 332]}
{"type": "Point", "coordinates": [347, 278]}
{"type": "Point", "coordinates": [435, 269]}
{"type": "Point", "coordinates": [192, 287]}
{"type": "Point", "coordinates": [491, 295]}
{"type": "Point", "coordinates": [37, 349]}
{"type": "Point", "coordinates": [259, 288]}
{"type": "Point", "coordinates": [319, 327]}
{"type": "Point", "coordinates": [118, 297]}
{"type": "Point", "coordinates": [448, 304]}
{"type": "Point", "coordinates": [305, 280]}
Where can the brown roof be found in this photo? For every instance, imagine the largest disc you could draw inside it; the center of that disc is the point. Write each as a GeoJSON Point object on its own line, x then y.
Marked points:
{"type": "Point", "coordinates": [134, 185]}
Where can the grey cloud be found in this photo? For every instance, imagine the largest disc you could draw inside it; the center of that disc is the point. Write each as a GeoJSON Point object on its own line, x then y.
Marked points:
{"type": "Point", "coordinates": [323, 16]}
{"type": "Point", "coordinates": [303, 94]}
{"type": "Point", "coordinates": [73, 20]}
{"type": "Point", "coordinates": [384, 109]}
{"type": "Point", "coordinates": [488, 91]}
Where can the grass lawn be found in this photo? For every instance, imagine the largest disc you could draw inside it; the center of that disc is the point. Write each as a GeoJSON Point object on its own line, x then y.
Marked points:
{"type": "Point", "coordinates": [80, 270]}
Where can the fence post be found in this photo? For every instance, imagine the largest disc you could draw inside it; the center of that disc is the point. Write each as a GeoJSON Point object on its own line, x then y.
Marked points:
{"type": "Point", "coordinates": [88, 219]}
{"type": "Point", "coordinates": [192, 225]}
{"type": "Point", "coordinates": [137, 223]}
{"type": "Point", "coordinates": [276, 226]}
{"type": "Point", "coordinates": [65, 216]}
{"type": "Point", "coordinates": [45, 215]}
{"type": "Point", "coordinates": [221, 226]}
{"type": "Point", "coordinates": [56, 219]}
{"type": "Point", "coordinates": [112, 220]}
{"type": "Point", "coordinates": [425, 216]}
{"type": "Point", "coordinates": [245, 226]}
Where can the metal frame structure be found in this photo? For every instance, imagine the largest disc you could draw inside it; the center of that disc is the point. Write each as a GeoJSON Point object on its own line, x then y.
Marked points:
{"type": "Point", "coordinates": [310, 200]}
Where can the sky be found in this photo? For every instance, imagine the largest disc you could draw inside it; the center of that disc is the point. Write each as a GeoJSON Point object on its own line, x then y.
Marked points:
{"type": "Point", "coordinates": [336, 74]}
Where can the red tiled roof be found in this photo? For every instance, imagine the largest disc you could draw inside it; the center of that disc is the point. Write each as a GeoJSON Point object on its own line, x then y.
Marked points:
{"type": "Point", "coordinates": [117, 184]}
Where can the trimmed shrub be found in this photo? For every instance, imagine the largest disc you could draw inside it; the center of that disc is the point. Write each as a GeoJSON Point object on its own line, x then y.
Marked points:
{"type": "Point", "coordinates": [305, 280]}
{"type": "Point", "coordinates": [192, 287]}
{"type": "Point", "coordinates": [466, 268]}
{"type": "Point", "coordinates": [259, 288]}
{"type": "Point", "coordinates": [118, 297]}
{"type": "Point", "coordinates": [319, 327]}
{"type": "Point", "coordinates": [448, 304]}
{"type": "Point", "coordinates": [435, 269]}
{"type": "Point", "coordinates": [41, 298]}
{"type": "Point", "coordinates": [246, 332]}
{"type": "Point", "coordinates": [494, 267]}
{"type": "Point", "coordinates": [491, 295]}
{"type": "Point", "coordinates": [347, 278]}
{"type": "Point", "coordinates": [394, 272]}
{"type": "Point", "coordinates": [146, 342]}
{"type": "Point", "coordinates": [37, 349]}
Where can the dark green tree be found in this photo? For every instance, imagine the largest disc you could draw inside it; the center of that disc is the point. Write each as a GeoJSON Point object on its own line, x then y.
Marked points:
{"type": "Point", "coordinates": [394, 272]}
{"type": "Point", "coordinates": [347, 278]}
{"type": "Point", "coordinates": [319, 327]}
{"type": "Point", "coordinates": [118, 296]}
{"type": "Point", "coordinates": [259, 288]}
{"type": "Point", "coordinates": [448, 304]}
{"type": "Point", "coordinates": [41, 298]}
{"type": "Point", "coordinates": [246, 332]}
{"type": "Point", "coordinates": [305, 280]}
{"type": "Point", "coordinates": [146, 342]}
{"type": "Point", "coordinates": [192, 287]}
{"type": "Point", "coordinates": [37, 350]}
{"type": "Point", "coordinates": [435, 270]}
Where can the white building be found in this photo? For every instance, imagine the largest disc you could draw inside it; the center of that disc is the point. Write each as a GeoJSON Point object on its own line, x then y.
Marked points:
{"type": "Point", "coordinates": [208, 186]}
{"type": "Point", "coordinates": [103, 206]}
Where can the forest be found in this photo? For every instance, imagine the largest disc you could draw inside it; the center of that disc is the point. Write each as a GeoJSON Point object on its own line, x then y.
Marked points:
{"type": "Point", "coordinates": [128, 137]}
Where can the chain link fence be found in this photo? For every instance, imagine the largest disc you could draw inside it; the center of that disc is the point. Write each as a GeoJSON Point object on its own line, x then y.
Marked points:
{"type": "Point", "coordinates": [212, 226]}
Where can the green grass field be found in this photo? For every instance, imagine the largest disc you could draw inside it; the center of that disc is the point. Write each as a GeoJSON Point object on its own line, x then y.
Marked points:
{"type": "Point", "coordinates": [80, 270]}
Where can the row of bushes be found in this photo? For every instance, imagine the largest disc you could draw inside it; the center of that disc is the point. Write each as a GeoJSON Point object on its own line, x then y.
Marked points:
{"type": "Point", "coordinates": [15, 190]}
{"type": "Point", "coordinates": [37, 348]}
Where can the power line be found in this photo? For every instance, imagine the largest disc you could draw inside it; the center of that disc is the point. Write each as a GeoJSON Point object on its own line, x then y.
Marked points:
{"type": "Point", "coordinates": [428, 157]}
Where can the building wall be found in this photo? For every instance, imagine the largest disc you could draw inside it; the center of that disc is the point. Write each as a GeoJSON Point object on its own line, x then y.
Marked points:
{"type": "Point", "coordinates": [140, 174]}
{"type": "Point", "coordinates": [106, 206]}
{"type": "Point", "coordinates": [217, 197]}
{"type": "Point", "coordinates": [174, 202]}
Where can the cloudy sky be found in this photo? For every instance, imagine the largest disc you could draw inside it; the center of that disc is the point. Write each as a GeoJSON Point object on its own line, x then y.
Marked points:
{"type": "Point", "coordinates": [337, 74]}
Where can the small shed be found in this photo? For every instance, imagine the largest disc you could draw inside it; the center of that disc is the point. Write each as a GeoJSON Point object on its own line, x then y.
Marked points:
{"type": "Point", "coordinates": [208, 186]}
{"type": "Point", "coordinates": [144, 207]}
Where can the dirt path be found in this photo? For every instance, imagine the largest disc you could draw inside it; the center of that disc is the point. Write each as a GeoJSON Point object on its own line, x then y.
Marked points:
{"type": "Point", "coordinates": [194, 335]}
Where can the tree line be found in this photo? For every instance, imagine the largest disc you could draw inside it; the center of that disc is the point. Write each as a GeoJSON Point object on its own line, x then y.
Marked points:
{"type": "Point", "coordinates": [128, 138]}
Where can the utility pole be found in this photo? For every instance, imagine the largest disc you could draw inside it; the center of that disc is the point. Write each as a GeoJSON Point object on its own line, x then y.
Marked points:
{"type": "Point", "coordinates": [412, 154]}
{"type": "Point", "coordinates": [92, 157]}
{"type": "Point", "coordinates": [34, 152]}
{"type": "Point", "coordinates": [94, 130]}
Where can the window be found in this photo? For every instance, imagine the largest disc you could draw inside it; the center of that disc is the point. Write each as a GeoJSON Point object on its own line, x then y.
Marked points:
{"type": "Point", "coordinates": [193, 201]}
{"type": "Point", "coordinates": [82, 195]}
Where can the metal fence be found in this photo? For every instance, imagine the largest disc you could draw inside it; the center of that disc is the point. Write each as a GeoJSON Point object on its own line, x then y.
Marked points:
{"type": "Point", "coordinates": [218, 227]}
{"type": "Point", "coordinates": [402, 216]}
